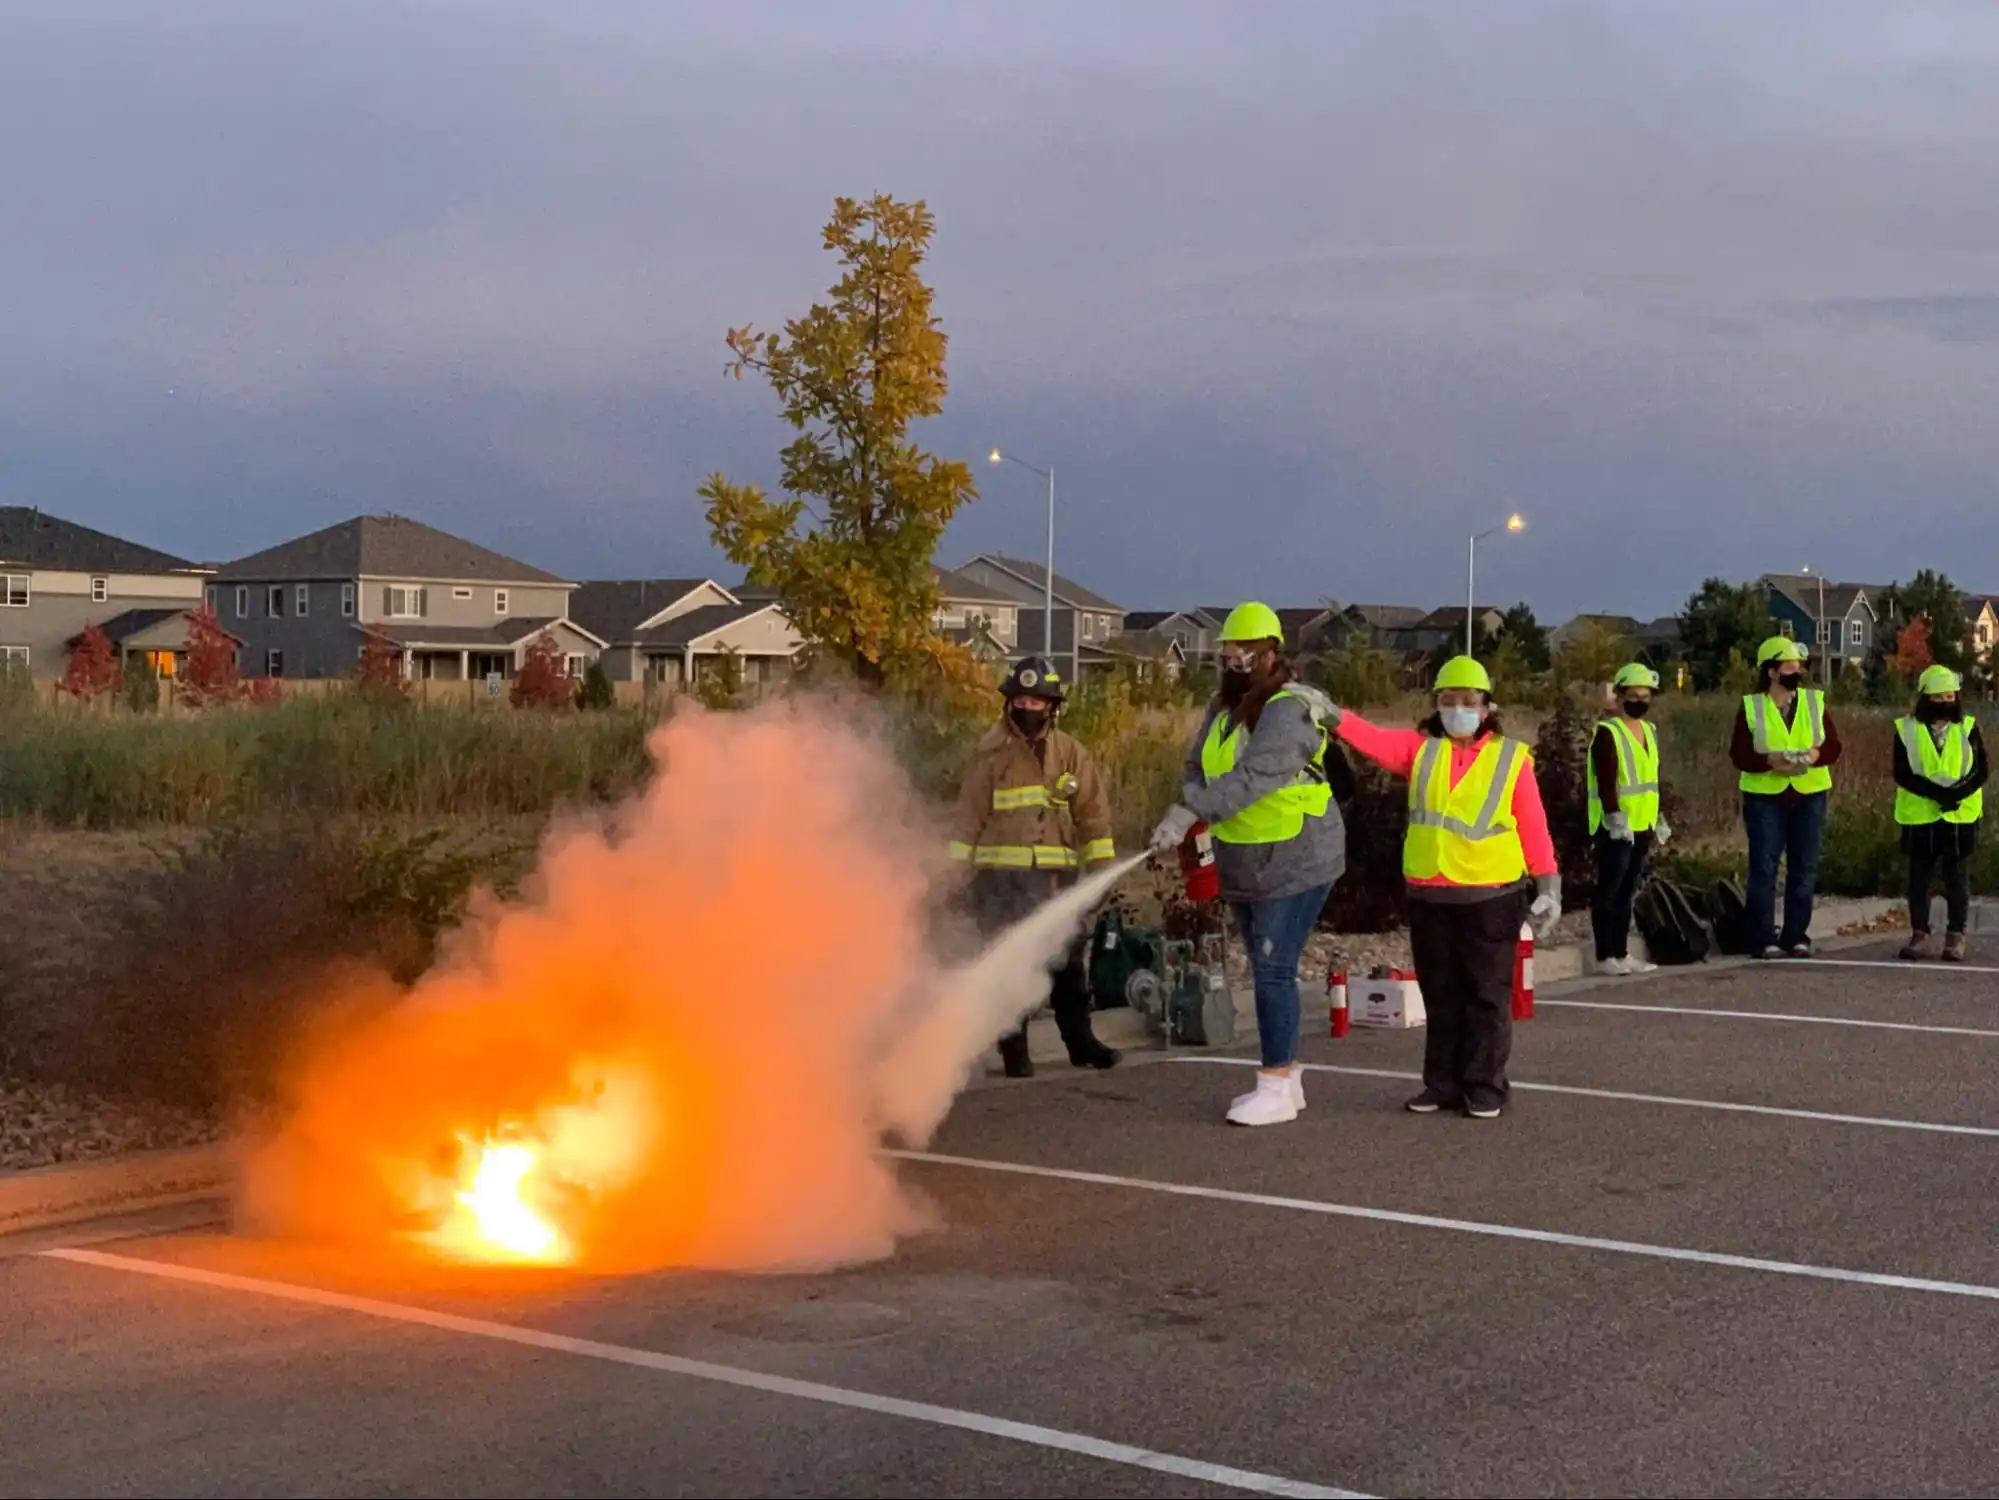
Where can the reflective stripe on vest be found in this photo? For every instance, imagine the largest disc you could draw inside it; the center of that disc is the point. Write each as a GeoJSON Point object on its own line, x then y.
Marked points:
{"type": "Point", "coordinates": [1637, 776]}
{"type": "Point", "coordinates": [1016, 856]}
{"type": "Point", "coordinates": [1947, 765]}
{"type": "Point", "coordinates": [1013, 798]}
{"type": "Point", "coordinates": [1465, 833]}
{"type": "Point", "coordinates": [1275, 816]}
{"type": "Point", "coordinates": [1770, 735]}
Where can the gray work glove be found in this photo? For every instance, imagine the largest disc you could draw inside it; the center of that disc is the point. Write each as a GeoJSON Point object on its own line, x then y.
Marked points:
{"type": "Point", "coordinates": [1661, 831]}
{"type": "Point", "coordinates": [1325, 713]}
{"type": "Point", "coordinates": [1173, 828]}
{"type": "Point", "coordinates": [1618, 826]}
{"type": "Point", "coordinates": [1547, 908]}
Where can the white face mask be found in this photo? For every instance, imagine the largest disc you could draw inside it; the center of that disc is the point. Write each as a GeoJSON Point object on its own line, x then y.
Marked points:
{"type": "Point", "coordinates": [1461, 723]}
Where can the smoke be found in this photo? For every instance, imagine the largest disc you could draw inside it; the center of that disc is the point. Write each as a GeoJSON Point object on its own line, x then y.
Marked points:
{"type": "Point", "coordinates": [691, 1033]}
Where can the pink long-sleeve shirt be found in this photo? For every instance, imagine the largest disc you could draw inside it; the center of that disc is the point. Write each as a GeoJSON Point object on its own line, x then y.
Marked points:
{"type": "Point", "coordinates": [1396, 750]}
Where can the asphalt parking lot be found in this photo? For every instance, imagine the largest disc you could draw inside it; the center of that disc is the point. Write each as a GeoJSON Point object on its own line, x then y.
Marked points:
{"type": "Point", "coordinates": [1736, 1238]}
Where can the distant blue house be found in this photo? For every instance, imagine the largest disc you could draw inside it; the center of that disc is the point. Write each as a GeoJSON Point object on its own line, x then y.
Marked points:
{"type": "Point", "coordinates": [1840, 622]}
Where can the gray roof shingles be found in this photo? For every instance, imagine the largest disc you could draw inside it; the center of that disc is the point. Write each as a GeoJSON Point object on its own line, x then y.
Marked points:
{"type": "Point", "coordinates": [385, 547]}
{"type": "Point", "coordinates": [614, 608]}
{"type": "Point", "coordinates": [33, 538]}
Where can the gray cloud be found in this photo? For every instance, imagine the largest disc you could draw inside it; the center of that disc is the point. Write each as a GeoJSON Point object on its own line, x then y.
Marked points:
{"type": "Point", "coordinates": [1292, 295]}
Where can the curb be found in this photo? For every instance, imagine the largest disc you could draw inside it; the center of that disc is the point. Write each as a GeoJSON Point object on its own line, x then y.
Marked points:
{"type": "Point", "coordinates": [42, 1197]}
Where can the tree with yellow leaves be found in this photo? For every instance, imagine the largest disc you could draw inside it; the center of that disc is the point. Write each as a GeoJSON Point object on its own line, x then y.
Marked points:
{"type": "Point", "coordinates": [848, 549]}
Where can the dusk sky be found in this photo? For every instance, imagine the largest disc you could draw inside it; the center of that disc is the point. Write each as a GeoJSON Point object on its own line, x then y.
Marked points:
{"type": "Point", "coordinates": [1293, 296]}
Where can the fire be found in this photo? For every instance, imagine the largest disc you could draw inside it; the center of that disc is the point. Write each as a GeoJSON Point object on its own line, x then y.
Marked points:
{"type": "Point", "coordinates": [491, 1217]}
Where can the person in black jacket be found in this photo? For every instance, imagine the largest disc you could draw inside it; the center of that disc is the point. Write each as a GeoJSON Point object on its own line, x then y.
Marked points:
{"type": "Point", "coordinates": [1940, 771]}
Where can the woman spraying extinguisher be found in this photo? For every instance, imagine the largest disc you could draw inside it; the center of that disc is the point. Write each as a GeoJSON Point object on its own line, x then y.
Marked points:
{"type": "Point", "coordinates": [1257, 775]}
{"type": "Point", "coordinates": [1477, 860]}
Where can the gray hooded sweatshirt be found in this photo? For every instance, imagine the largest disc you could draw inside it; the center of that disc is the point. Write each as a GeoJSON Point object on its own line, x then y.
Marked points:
{"type": "Point", "coordinates": [1283, 744]}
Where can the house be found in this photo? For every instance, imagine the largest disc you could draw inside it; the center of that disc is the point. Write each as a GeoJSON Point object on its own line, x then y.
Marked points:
{"type": "Point", "coordinates": [454, 610]}
{"type": "Point", "coordinates": [1624, 627]}
{"type": "Point", "coordinates": [1198, 631]}
{"type": "Point", "coordinates": [58, 578]}
{"type": "Point", "coordinates": [975, 614]}
{"type": "Point", "coordinates": [1983, 620]}
{"type": "Point", "coordinates": [1383, 627]}
{"type": "Point", "coordinates": [1444, 628]}
{"type": "Point", "coordinates": [160, 638]}
{"type": "Point", "coordinates": [1084, 621]}
{"type": "Point", "coordinates": [1147, 657]}
{"type": "Point", "coordinates": [673, 632]}
{"type": "Point", "coordinates": [1839, 621]}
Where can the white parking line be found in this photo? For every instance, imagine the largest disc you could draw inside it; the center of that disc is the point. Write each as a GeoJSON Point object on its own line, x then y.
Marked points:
{"type": "Point", "coordinates": [1761, 1015]}
{"type": "Point", "coordinates": [695, 1369]}
{"type": "Point", "coordinates": [1466, 1226]}
{"type": "Point", "coordinates": [1721, 1104]}
{"type": "Point", "coordinates": [1893, 963]}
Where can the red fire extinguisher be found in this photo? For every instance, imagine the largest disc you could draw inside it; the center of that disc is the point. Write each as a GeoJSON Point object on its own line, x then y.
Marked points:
{"type": "Point", "coordinates": [1523, 974]}
{"type": "Point", "coordinates": [1336, 995]}
{"type": "Point", "coordinates": [1197, 865]}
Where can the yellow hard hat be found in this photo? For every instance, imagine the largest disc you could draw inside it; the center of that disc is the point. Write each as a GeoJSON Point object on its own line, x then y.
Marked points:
{"type": "Point", "coordinates": [1464, 672]}
{"type": "Point", "coordinates": [1939, 679]}
{"type": "Point", "coordinates": [1636, 674]}
{"type": "Point", "coordinates": [1780, 648]}
{"type": "Point", "coordinates": [1252, 622]}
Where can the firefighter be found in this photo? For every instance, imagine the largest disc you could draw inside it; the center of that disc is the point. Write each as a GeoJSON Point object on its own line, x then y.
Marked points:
{"type": "Point", "coordinates": [1032, 812]}
{"type": "Point", "coordinates": [1477, 859]}
{"type": "Point", "coordinates": [1262, 775]}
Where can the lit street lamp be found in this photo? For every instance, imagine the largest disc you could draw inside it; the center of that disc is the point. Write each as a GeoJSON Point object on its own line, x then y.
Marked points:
{"type": "Point", "coordinates": [1048, 583]}
{"type": "Point", "coordinates": [1513, 523]}
{"type": "Point", "coordinates": [1821, 637]}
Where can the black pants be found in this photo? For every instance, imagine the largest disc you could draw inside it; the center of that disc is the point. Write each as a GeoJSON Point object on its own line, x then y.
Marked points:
{"type": "Point", "coordinates": [1001, 898]}
{"type": "Point", "coordinates": [1923, 867]}
{"type": "Point", "coordinates": [1464, 961]}
{"type": "Point", "coordinates": [1620, 865]}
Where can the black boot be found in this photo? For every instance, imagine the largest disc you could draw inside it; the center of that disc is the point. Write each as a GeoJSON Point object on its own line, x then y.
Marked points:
{"type": "Point", "coordinates": [1013, 1054]}
{"type": "Point", "coordinates": [1092, 1053]}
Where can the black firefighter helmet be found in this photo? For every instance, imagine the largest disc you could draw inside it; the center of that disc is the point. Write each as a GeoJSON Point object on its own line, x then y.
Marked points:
{"type": "Point", "coordinates": [1033, 676]}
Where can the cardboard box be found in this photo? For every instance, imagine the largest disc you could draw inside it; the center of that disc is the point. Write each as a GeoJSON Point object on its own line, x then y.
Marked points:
{"type": "Point", "coordinates": [1389, 1004]}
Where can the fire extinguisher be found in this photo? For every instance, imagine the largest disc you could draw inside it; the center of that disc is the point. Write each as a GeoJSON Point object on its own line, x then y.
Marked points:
{"type": "Point", "coordinates": [1197, 865]}
{"type": "Point", "coordinates": [1523, 974]}
{"type": "Point", "coordinates": [1336, 995]}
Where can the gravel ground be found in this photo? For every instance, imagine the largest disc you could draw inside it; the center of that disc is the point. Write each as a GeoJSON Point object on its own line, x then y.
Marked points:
{"type": "Point", "coordinates": [42, 1125]}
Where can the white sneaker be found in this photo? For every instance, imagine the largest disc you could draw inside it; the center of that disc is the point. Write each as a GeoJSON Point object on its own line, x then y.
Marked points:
{"type": "Point", "coordinates": [1273, 1103]}
{"type": "Point", "coordinates": [1298, 1086]}
{"type": "Point", "coordinates": [1639, 966]}
{"type": "Point", "coordinates": [1619, 967]}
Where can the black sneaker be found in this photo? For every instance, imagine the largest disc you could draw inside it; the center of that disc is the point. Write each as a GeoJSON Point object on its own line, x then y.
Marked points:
{"type": "Point", "coordinates": [1484, 1107]}
{"type": "Point", "coordinates": [1799, 950]}
{"type": "Point", "coordinates": [1095, 1055]}
{"type": "Point", "coordinates": [1768, 952]}
{"type": "Point", "coordinates": [1430, 1101]}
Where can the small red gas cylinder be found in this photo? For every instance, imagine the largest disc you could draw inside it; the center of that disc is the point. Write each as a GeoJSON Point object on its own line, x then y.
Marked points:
{"type": "Point", "coordinates": [1336, 996]}
{"type": "Point", "coordinates": [1197, 865]}
{"type": "Point", "coordinates": [1523, 974]}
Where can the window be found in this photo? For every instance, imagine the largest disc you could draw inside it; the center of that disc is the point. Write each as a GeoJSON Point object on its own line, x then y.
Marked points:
{"type": "Point", "coordinates": [274, 664]}
{"type": "Point", "coordinates": [461, 593]}
{"type": "Point", "coordinates": [1856, 632]}
{"type": "Point", "coordinates": [1825, 632]}
{"type": "Point", "coordinates": [1089, 627]}
{"type": "Point", "coordinates": [208, 599]}
{"type": "Point", "coordinates": [1003, 621]}
{"type": "Point", "coordinates": [274, 601]}
{"type": "Point", "coordinates": [242, 601]}
{"type": "Point", "coordinates": [14, 658]}
{"type": "Point", "coordinates": [301, 600]}
{"type": "Point", "coordinates": [1784, 629]}
{"type": "Point", "coordinates": [572, 665]}
{"type": "Point", "coordinates": [100, 590]}
{"type": "Point", "coordinates": [1984, 635]}
{"type": "Point", "coordinates": [17, 591]}
{"type": "Point", "coordinates": [347, 600]}
{"type": "Point", "coordinates": [499, 601]}
{"type": "Point", "coordinates": [403, 603]}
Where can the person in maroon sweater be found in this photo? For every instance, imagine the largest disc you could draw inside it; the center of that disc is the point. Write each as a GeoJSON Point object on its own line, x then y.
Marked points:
{"type": "Point", "coordinates": [1784, 796]}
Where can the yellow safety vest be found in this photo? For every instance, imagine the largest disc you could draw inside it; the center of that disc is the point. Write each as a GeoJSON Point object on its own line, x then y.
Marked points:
{"type": "Point", "coordinates": [1772, 736]}
{"type": "Point", "coordinates": [1637, 775]}
{"type": "Point", "coordinates": [1465, 833]}
{"type": "Point", "coordinates": [1276, 816]}
{"type": "Point", "coordinates": [1946, 766]}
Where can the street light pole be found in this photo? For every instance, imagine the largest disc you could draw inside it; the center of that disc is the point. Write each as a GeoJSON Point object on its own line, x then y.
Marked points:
{"type": "Point", "coordinates": [1513, 523]}
{"type": "Point", "coordinates": [1048, 580]}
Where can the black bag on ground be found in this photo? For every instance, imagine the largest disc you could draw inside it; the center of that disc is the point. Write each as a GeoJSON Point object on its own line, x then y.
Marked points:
{"type": "Point", "coordinates": [1673, 927]}
{"type": "Point", "coordinates": [1731, 918]}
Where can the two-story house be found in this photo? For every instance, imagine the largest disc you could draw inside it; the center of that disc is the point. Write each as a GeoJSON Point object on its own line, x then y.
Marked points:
{"type": "Point", "coordinates": [1443, 628]}
{"type": "Point", "coordinates": [453, 610]}
{"type": "Point", "coordinates": [1198, 631]}
{"type": "Point", "coordinates": [1381, 627]}
{"type": "Point", "coordinates": [1085, 622]}
{"type": "Point", "coordinates": [976, 615]}
{"type": "Point", "coordinates": [1838, 621]}
{"type": "Point", "coordinates": [673, 632]}
{"type": "Point", "coordinates": [58, 578]}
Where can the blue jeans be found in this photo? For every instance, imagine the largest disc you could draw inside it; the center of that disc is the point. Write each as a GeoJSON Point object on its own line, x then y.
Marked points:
{"type": "Point", "coordinates": [1780, 828]}
{"type": "Point", "coordinates": [1273, 934]}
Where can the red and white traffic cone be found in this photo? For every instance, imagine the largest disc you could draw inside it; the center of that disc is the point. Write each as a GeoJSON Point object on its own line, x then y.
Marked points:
{"type": "Point", "coordinates": [1523, 975]}
{"type": "Point", "coordinates": [1336, 993]}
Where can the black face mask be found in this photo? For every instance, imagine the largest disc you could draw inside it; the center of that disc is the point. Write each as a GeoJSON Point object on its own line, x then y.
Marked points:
{"type": "Point", "coordinates": [1637, 708]}
{"type": "Point", "coordinates": [1029, 721]}
{"type": "Point", "coordinates": [1932, 712]}
{"type": "Point", "coordinates": [1790, 679]}
{"type": "Point", "coordinates": [1235, 684]}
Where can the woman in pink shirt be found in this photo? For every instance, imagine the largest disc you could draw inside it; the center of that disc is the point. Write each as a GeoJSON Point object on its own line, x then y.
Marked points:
{"type": "Point", "coordinates": [1477, 861]}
